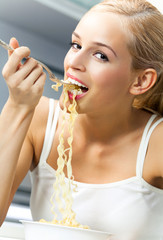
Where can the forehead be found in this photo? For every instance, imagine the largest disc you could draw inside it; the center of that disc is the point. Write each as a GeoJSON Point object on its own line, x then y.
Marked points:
{"type": "Point", "coordinates": [103, 26]}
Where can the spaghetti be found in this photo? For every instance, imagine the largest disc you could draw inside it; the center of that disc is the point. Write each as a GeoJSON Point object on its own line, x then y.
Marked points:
{"type": "Point", "coordinates": [62, 189]}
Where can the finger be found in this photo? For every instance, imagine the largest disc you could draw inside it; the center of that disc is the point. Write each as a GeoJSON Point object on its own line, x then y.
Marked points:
{"type": "Point", "coordinates": [26, 68]}
{"type": "Point", "coordinates": [15, 59]}
{"type": "Point", "coordinates": [13, 43]}
{"type": "Point", "coordinates": [38, 85]}
{"type": "Point", "coordinates": [32, 77]}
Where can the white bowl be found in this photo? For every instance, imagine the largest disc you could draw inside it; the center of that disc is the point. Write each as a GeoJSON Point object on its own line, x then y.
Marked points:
{"type": "Point", "coordinates": [46, 231]}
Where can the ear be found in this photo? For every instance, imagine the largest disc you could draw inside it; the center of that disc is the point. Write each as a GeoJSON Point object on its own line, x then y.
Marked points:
{"type": "Point", "coordinates": [143, 82]}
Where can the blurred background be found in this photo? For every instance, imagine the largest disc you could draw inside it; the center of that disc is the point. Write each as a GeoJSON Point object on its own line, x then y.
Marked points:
{"type": "Point", "coordinates": [45, 26]}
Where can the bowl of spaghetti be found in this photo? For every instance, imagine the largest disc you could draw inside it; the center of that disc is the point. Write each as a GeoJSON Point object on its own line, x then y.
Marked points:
{"type": "Point", "coordinates": [39, 230]}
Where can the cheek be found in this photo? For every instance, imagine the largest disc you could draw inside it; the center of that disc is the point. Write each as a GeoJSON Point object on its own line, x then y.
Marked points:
{"type": "Point", "coordinates": [112, 85]}
{"type": "Point", "coordinates": [66, 61]}
{"type": "Point", "coordinates": [112, 78]}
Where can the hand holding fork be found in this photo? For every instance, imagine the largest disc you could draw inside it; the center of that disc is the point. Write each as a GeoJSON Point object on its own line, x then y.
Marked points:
{"type": "Point", "coordinates": [51, 74]}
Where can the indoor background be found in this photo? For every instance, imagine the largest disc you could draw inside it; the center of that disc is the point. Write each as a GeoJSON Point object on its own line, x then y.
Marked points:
{"type": "Point", "coordinates": [45, 26]}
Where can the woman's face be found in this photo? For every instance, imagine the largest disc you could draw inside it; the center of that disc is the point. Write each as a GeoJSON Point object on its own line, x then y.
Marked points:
{"type": "Point", "coordinates": [99, 59]}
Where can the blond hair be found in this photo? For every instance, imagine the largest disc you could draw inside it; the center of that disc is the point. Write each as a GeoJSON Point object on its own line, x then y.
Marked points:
{"type": "Point", "coordinates": [145, 24]}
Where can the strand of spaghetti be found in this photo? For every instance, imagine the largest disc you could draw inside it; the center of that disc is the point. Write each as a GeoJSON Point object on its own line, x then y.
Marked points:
{"type": "Point", "coordinates": [66, 191]}
{"type": "Point", "coordinates": [62, 189]}
{"type": "Point", "coordinates": [56, 187]}
{"type": "Point", "coordinates": [70, 215]}
{"type": "Point", "coordinates": [60, 184]}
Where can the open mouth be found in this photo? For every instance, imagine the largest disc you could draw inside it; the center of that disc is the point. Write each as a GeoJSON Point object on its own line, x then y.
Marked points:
{"type": "Point", "coordinates": [77, 86]}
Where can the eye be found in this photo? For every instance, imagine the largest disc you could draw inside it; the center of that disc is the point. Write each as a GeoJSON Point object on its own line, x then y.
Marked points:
{"type": "Point", "coordinates": [75, 45]}
{"type": "Point", "coordinates": [101, 56]}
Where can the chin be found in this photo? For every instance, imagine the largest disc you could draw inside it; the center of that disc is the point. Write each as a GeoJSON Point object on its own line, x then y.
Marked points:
{"type": "Point", "coordinates": [61, 104]}
{"type": "Point", "coordinates": [81, 108]}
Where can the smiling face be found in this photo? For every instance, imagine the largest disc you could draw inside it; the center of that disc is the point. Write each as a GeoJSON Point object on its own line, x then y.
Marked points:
{"type": "Point", "coordinates": [99, 59]}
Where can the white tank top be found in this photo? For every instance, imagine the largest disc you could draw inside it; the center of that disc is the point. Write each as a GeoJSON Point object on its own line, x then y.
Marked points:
{"type": "Point", "coordinates": [131, 208]}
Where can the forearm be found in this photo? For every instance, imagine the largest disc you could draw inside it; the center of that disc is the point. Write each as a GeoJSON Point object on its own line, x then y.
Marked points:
{"type": "Point", "coordinates": [25, 83]}
{"type": "Point", "coordinates": [14, 124]}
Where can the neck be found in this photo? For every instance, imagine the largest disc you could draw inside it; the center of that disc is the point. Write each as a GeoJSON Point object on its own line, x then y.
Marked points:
{"type": "Point", "coordinates": [105, 127]}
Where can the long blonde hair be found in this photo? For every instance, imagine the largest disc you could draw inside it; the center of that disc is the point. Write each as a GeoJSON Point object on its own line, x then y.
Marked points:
{"type": "Point", "coordinates": [145, 24]}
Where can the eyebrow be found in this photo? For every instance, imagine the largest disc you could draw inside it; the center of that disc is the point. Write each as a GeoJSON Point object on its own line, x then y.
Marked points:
{"type": "Point", "coordinates": [99, 44]}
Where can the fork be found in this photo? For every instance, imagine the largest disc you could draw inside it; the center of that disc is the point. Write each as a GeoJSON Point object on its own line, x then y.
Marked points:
{"type": "Point", "coordinates": [52, 76]}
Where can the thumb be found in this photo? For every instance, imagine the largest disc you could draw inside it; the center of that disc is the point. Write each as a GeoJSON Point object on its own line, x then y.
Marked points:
{"type": "Point", "coordinates": [13, 43]}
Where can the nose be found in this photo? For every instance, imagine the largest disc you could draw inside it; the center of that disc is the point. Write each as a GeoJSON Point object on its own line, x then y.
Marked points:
{"type": "Point", "coordinates": [76, 60]}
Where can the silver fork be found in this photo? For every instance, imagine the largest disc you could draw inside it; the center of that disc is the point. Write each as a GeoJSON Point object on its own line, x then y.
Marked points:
{"type": "Point", "coordinates": [52, 76]}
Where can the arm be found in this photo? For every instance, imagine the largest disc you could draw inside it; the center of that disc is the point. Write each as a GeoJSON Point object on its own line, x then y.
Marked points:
{"type": "Point", "coordinates": [25, 83]}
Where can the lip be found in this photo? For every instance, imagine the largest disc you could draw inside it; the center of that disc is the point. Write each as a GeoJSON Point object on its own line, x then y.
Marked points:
{"type": "Point", "coordinates": [75, 78]}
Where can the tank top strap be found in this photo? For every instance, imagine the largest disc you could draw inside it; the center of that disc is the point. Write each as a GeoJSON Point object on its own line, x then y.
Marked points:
{"type": "Point", "coordinates": [50, 130]}
{"type": "Point", "coordinates": [149, 128]}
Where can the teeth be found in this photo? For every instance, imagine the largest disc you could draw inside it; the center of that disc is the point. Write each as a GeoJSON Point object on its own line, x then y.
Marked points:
{"type": "Point", "coordinates": [75, 82]}
{"type": "Point", "coordinates": [76, 92]}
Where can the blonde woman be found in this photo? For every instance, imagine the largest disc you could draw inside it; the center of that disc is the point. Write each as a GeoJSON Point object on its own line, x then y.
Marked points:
{"type": "Point", "coordinates": [117, 162]}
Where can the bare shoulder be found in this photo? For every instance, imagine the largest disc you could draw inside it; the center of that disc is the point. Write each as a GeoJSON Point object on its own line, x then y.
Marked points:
{"type": "Point", "coordinates": [156, 147]}
{"type": "Point", "coordinates": [41, 112]}
{"type": "Point", "coordinates": [40, 117]}
{"type": "Point", "coordinates": [37, 128]}
{"type": "Point", "coordinates": [157, 134]}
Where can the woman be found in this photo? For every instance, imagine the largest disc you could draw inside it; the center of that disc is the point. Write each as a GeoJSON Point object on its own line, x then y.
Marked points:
{"type": "Point", "coordinates": [117, 54]}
